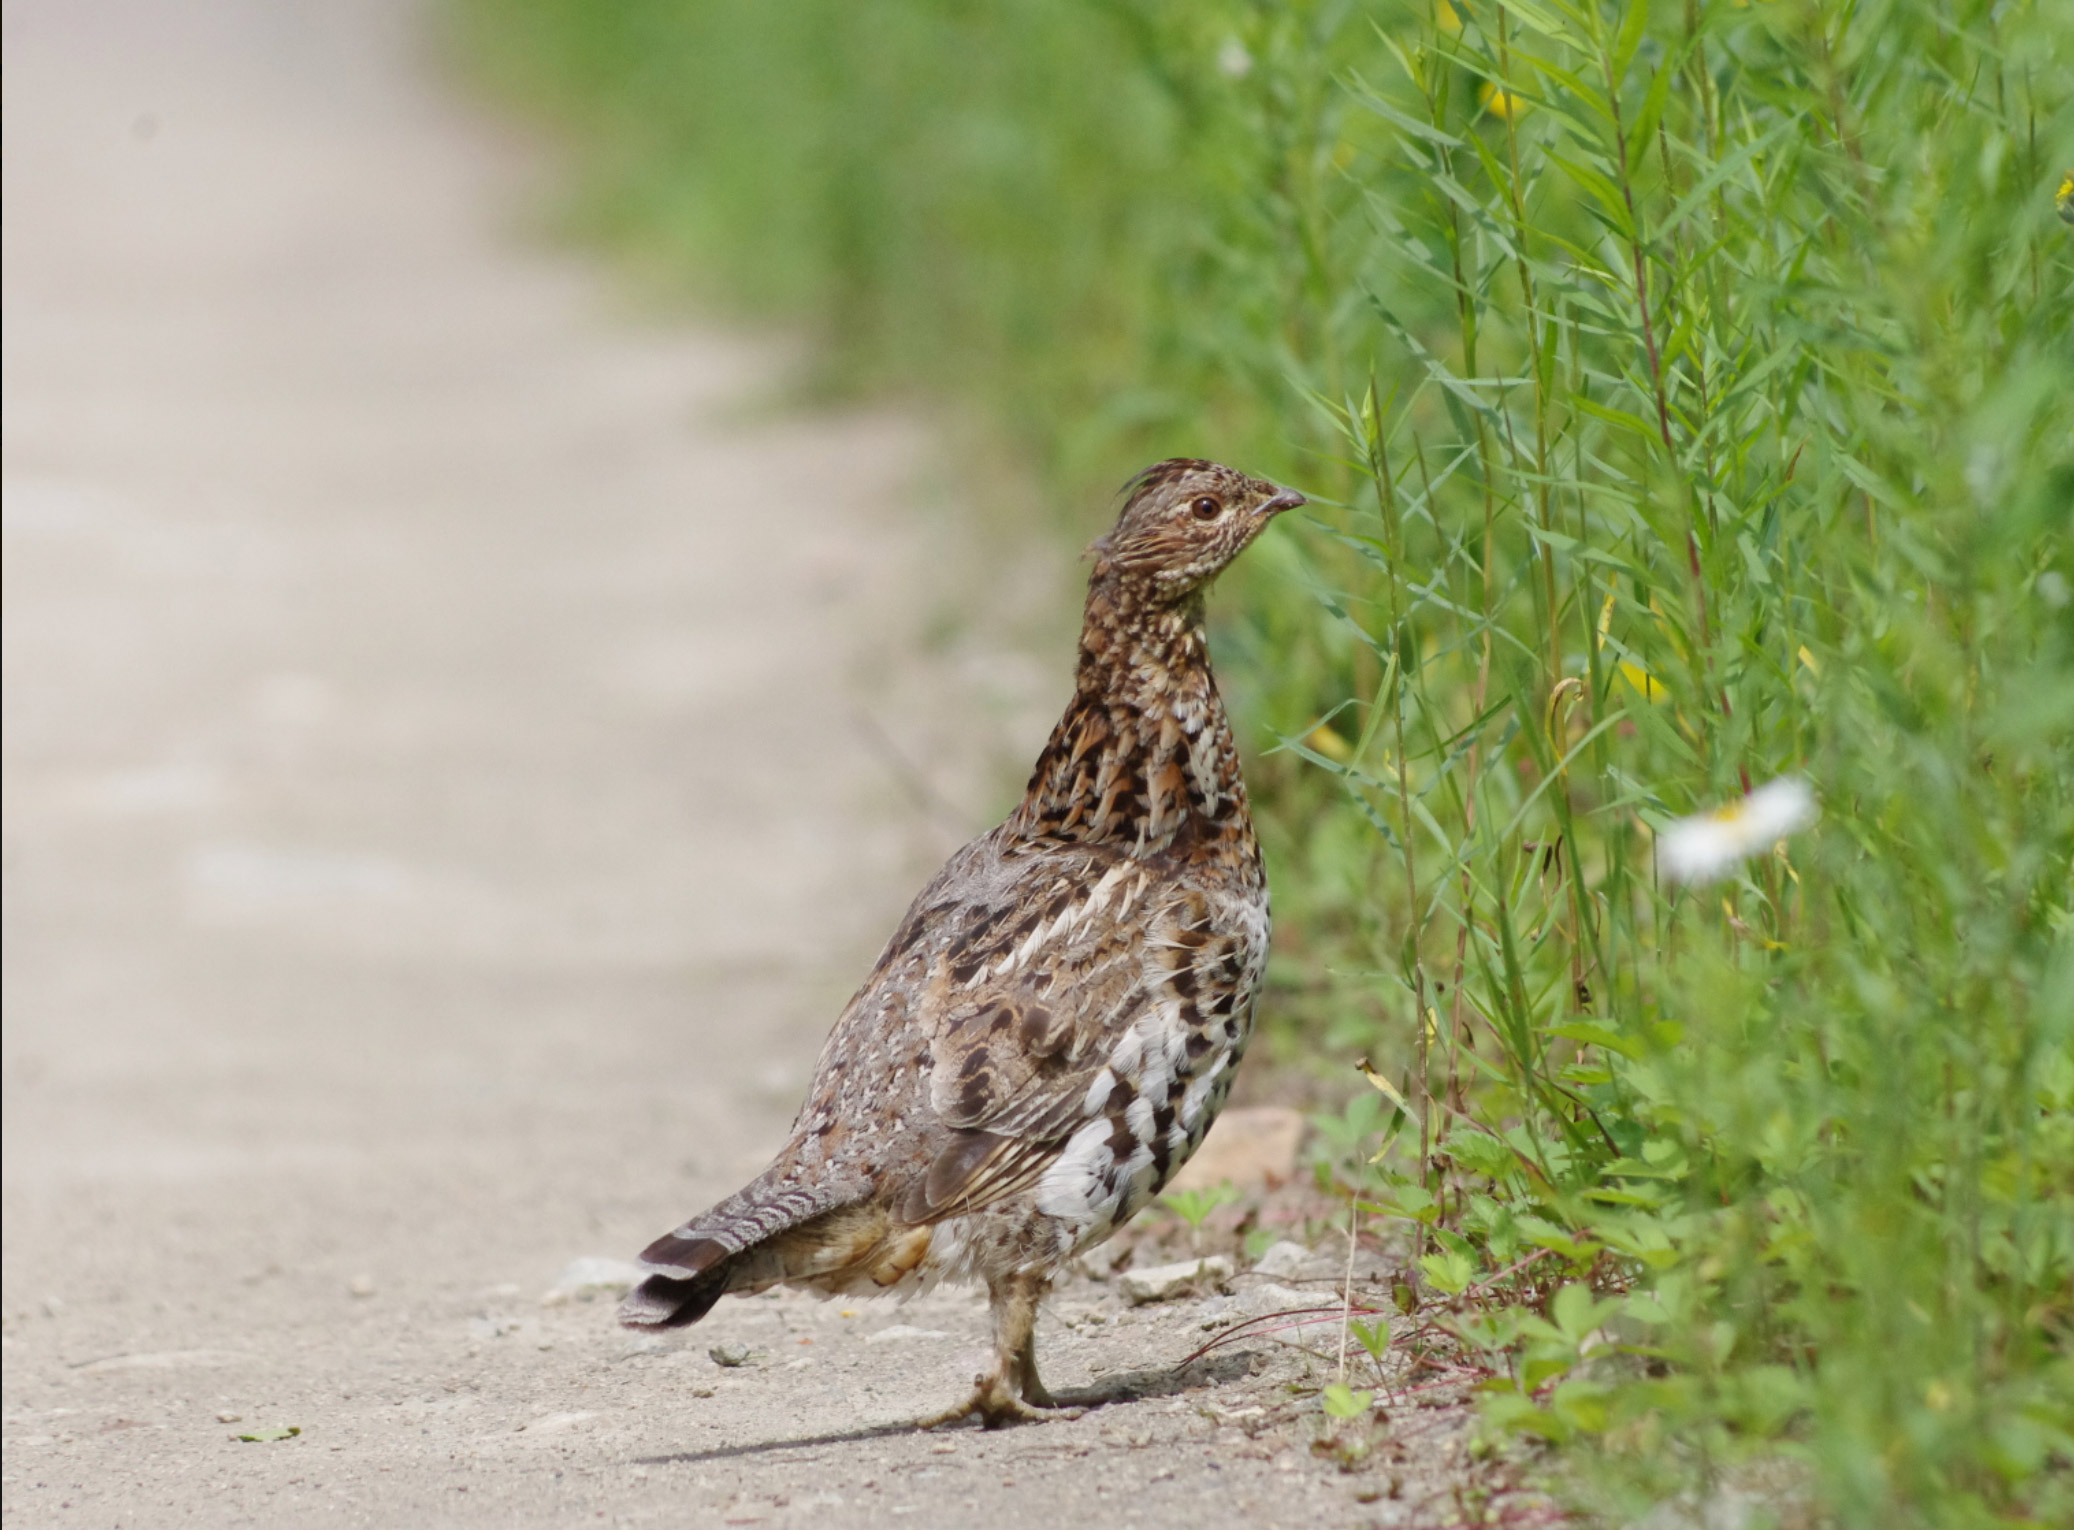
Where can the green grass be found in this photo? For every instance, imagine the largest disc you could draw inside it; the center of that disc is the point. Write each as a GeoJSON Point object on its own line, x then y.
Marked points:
{"type": "Point", "coordinates": [1688, 394]}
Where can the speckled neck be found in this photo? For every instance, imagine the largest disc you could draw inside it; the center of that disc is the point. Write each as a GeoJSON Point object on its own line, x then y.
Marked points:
{"type": "Point", "coordinates": [1144, 757]}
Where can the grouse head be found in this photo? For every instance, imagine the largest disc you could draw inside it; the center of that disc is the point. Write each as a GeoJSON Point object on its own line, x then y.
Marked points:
{"type": "Point", "coordinates": [1183, 520]}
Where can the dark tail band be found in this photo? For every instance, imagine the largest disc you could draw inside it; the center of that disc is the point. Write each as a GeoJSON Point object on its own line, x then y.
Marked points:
{"type": "Point", "coordinates": [727, 1248]}
{"type": "Point", "coordinates": [691, 1275]}
{"type": "Point", "coordinates": [663, 1302]}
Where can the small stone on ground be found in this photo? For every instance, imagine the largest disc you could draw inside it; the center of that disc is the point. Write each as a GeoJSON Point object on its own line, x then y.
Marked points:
{"type": "Point", "coordinates": [1162, 1282]}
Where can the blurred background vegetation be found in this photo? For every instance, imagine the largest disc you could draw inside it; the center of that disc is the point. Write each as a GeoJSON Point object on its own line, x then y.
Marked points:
{"type": "Point", "coordinates": [1687, 396]}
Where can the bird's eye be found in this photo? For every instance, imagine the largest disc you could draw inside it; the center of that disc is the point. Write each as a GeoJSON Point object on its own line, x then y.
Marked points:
{"type": "Point", "coordinates": [1207, 508]}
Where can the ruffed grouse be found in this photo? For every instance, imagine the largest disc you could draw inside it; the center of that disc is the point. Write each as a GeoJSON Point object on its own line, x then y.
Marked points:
{"type": "Point", "coordinates": [1050, 1031]}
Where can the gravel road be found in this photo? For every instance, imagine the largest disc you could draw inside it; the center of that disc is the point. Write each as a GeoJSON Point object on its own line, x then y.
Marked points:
{"type": "Point", "coordinates": [463, 741]}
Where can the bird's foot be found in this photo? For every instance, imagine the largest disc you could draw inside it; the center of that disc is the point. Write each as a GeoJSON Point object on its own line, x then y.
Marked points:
{"type": "Point", "coordinates": [996, 1406]}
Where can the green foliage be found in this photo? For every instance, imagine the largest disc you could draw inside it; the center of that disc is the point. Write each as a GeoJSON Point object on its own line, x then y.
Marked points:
{"type": "Point", "coordinates": [1194, 1206]}
{"type": "Point", "coordinates": [1689, 392]}
{"type": "Point", "coordinates": [1343, 1402]}
{"type": "Point", "coordinates": [1373, 1337]}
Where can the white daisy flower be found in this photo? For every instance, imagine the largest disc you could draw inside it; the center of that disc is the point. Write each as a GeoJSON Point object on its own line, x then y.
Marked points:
{"type": "Point", "coordinates": [1707, 846]}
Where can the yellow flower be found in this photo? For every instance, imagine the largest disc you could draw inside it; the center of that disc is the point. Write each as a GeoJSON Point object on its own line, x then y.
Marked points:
{"type": "Point", "coordinates": [1643, 681]}
{"type": "Point", "coordinates": [1651, 688]}
{"type": "Point", "coordinates": [1449, 18]}
{"type": "Point", "coordinates": [2063, 199]}
{"type": "Point", "coordinates": [1327, 742]}
{"type": "Point", "coordinates": [1502, 103]}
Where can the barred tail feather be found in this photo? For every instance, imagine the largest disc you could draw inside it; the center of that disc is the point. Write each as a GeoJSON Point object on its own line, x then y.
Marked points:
{"type": "Point", "coordinates": [662, 1301]}
{"type": "Point", "coordinates": [723, 1250]}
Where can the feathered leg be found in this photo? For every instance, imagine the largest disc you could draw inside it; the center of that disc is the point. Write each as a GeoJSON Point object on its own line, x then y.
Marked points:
{"type": "Point", "coordinates": [1010, 1392]}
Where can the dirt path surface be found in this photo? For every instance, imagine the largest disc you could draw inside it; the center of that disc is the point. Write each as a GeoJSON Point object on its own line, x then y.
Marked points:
{"type": "Point", "coordinates": [447, 799]}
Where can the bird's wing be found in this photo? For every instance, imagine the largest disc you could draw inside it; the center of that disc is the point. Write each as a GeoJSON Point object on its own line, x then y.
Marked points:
{"type": "Point", "coordinates": [1090, 982]}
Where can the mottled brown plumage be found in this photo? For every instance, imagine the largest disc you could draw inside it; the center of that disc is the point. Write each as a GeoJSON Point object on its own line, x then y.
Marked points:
{"type": "Point", "coordinates": [1054, 1025]}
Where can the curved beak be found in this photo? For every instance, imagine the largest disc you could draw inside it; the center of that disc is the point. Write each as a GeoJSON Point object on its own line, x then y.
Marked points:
{"type": "Point", "coordinates": [1285, 499]}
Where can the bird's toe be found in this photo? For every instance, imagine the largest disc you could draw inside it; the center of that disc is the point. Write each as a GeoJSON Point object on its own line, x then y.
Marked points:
{"type": "Point", "coordinates": [996, 1406]}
